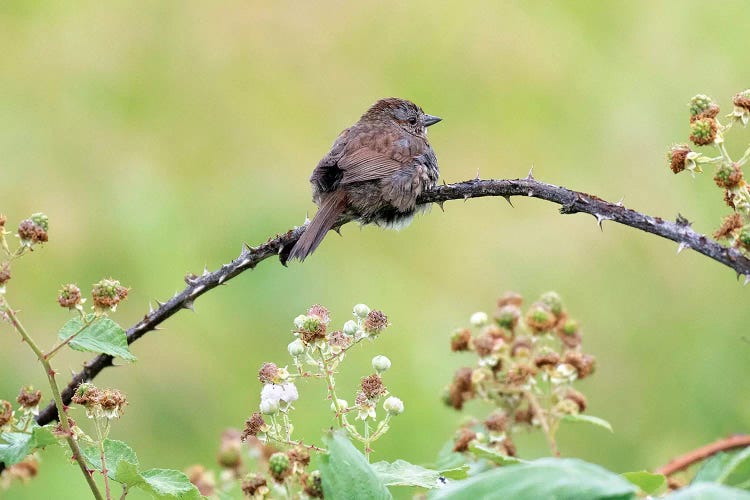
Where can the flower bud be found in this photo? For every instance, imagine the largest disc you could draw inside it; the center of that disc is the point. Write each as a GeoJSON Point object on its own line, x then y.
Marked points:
{"type": "Point", "coordinates": [269, 406]}
{"type": "Point", "coordinates": [393, 406]}
{"type": "Point", "coordinates": [296, 348]}
{"type": "Point", "coordinates": [342, 404]}
{"type": "Point", "coordinates": [479, 319]}
{"type": "Point", "coordinates": [299, 321]}
{"type": "Point", "coordinates": [553, 301]}
{"type": "Point", "coordinates": [381, 363]}
{"type": "Point", "coordinates": [350, 327]}
{"type": "Point", "coordinates": [361, 311]}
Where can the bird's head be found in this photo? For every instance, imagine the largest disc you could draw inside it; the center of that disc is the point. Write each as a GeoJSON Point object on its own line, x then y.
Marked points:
{"type": "Point", "coordinates": [403, 113]}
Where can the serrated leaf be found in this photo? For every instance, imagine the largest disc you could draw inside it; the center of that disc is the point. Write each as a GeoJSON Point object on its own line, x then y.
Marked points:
{"type": "Point", "coordinates": [403, 473]}
{"type": "Point", "coordinates": [127, 473]}
{"type": "Point", "coordinates": [114, 453]}
{"type": "Point", "coordinates": [712, 468]}
{"type": "Point", "coordinates": [648, 482]}
{"type": "Point", "coordinates": [482, 451]}
{"type": "Point", "coordinates": [588, 419]}
{"type": "Point", "coordinates": [543, 478]}
{"type": "Point", "coordinates": [168, 483]}
{"type": "Point", "coordinates": [708, 491]}
{"type": "Point", "coordinates": [345, 472]}
{"type": "Point", "coordinates": [102, 336]}
{"type": "Point", "coordinates": [737, 470]}
{"type": "Point", "coordinates": [15, 446]}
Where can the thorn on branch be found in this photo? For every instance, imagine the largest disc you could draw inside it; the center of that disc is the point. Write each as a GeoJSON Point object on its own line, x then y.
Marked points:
{"type": "Point", "coordinates": [440, 204]}
{"type": "Point", "coordinates": [682, 246]}
{"type": "Point", "coordinates": [507, 198]}
{"type": "Point", "coordinates": [530, 176]}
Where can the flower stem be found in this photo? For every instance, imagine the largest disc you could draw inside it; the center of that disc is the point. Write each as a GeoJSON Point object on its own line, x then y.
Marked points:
{"type": "Point", "coordinates": [63, 416]}
{"type": "Point", "coordinates": [538, 412]}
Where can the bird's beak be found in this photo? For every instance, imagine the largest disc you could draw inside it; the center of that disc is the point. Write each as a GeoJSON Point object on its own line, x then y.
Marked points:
{"type": "Point", "coordinates": [431, 120]}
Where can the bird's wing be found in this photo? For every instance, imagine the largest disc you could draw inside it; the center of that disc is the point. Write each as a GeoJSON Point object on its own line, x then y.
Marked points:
{"type": "Point", "coordinates": [366, 164]}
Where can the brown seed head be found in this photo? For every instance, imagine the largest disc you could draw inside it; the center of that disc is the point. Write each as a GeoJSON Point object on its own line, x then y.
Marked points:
{"type": "Point", "coordinates": [510, 298]}
{"type": "Point", "coordinates": [484, 345]}
{"type": "Point", "coordinates": [497, 421]}
{"type": "Point", "coordinates": [299, 455]}
{"type": "Point", "coordinates": [677, 157]}
{"type": "Point", "coordinates": [728, 176]}
{"type": "Point", "coordinates": [519, 374]}
{"type": "Point", "coordinates": [577, 398]}
{"type": "Point", "coordinates": [731, 223]}
{"type": "Point", "coordinates": [547, 359]}
{"type": "Point", "coordinates": [313, 485]}
{"type": "Point", "coordinates": [464, 438]}
{"type": "Point", "coordinates": [254, 484]}
{"type": "Point", "coordinates": [70, 296]}
{"type": "Point", "coordinates": [107, 293]}
{"type": "Point", "coordinates": [4, 273]}
{"type": "Point", "coordinates": [376, 321]}
{"type": "Point", "coordinates": [268, 373]}
{"type": "Point", "coordinates": [339, 339]}
{"type": "Point", "coordinates": [253, 426]}
{"type": "Point", "coordinates": [742, 100]}
{"type": "Point", "coordinates": [703, 131]}
{"type": "Point", "coordinates": [524, 416]}
{"type": "Point", "coordinates": [460, 340]}
{"type": "Point", "coordinates": [28, 397]}
{"type": "Point", "coordinates": [6, 413]}
{"type": "Point", "coordinates": [539, 318]}
{"type": "Point", "coordinates": [372, 386]}
{"type": "Point", "coordinates": [583, 363]}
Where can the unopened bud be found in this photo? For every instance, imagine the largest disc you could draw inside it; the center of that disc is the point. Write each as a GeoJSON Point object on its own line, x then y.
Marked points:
{"type": "Point", "coordinates": [350, 327]}
{"type": "Point", "coordinates": [381, 363]}
{"type": "Point", "coordinates": [361, 311]}
{"type": "Point", "coordinates": [393, 406]}
{"type": "Point", "coordinates": [296, 348]}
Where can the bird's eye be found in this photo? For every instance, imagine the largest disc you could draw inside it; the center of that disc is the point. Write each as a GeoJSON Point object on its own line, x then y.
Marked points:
{"type": "Point", "coordinates": [413, 121]}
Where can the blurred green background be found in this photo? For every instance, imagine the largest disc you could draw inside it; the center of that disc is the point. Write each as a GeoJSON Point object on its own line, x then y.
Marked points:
{"type": "Point", "coordinates": [158, 136]}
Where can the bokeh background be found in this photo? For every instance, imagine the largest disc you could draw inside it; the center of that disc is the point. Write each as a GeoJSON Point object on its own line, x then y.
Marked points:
{"type": "Point", "coordinates": [158, 136]}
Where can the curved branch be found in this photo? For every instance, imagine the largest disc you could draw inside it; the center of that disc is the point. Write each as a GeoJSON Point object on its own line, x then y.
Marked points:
{"type": "Point", "coordinates": [684, 461]}
{"type": "Point", "coordinates": [571, 202]}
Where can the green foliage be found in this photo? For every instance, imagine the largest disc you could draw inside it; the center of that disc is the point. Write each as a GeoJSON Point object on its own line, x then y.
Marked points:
{"type": "Point", "coordinates": [543, 478]}
{"type": "Point", "coordinates": [403, 473]}
{"type": "Point", "coordinates": [15, 446]}
{"type": "Point", "coordinates": [588, 419]}
{"type": "Point", "coordinates": [494, 456]}
{"type": "Point", "coordinates": [709, 491]}
{"type": "Point", "coordinates": [101, 336]}
{"type": "Point", "coordinates": [122, 466]}
{"type": "Point", "coordinates": [347, 474]}
{"type": "Point", "coordinates": [648, 482]}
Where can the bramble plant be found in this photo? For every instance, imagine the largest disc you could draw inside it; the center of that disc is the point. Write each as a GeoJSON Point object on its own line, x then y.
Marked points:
{"type": "Point", "coordinates": [707, 130]}
{"type": "Point", "coordinates": [526, 367]}
{"type": "Point", "coordinates": [21, 436]}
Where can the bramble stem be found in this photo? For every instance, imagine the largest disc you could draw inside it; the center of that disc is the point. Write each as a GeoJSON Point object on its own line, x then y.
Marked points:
{"type": "Point", "coordinates": [538, 412]}
{"type": "Point", "coordinates": [58, 400]}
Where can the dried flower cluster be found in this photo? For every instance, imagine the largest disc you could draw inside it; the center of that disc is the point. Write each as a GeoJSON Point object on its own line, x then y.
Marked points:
{"type": "Point", "coordinates": [316, 353]}
{"type": "Point", "coordinates": [100, 403]}
{"type": "Point", "coordinates": [526, 365]}
{"type": "Point", "coordinates": [107, 294]}
{"type": "Point", "coordinates": [707, 130]}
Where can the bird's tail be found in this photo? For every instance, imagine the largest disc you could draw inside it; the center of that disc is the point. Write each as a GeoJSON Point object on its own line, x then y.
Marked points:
{"type": "Point", "coordinates": [327, 216]}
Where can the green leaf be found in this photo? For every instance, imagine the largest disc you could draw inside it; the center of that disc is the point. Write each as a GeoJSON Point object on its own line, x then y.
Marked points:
{"type": "Point", "coordinates": [482, 451]}
{"type": "Point", "coordinates": [648, 482]}
{"type": "Point", "coordinates": [104, 336]}
{"type": "Point", "coordinates": [456, 472]}
{"type": "Point", "coordinates": [403, 473]}
{"type": "Point", "coordinates": [449, 459]}
{"type": "Point", "coordinates": [345, 472]}
{"type": "Point", "coordinates": [708, 491]}
{"type": "Point", "coordinates": [588, 419]}
{"type": "Point", "coordinates": [737, 470]}
{"type": "Point", "coordinates": [167, 483]}
{"type": "Point", "coordinates": [543, 478]}
{"type": "Point", "coordinates": [15, 446]}
{"type": "Point", "coordinates": [127, 473]}
{"type": "Point", "coordinates": [712, 468]}
{"type": "Point", "coordinates": [114, 453]}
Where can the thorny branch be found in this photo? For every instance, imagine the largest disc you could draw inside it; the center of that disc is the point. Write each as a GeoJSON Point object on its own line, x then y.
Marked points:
{"type": "Point", "coordinates": [571, 202]}
{"type": "Point", "coordinates": [684, 461]}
